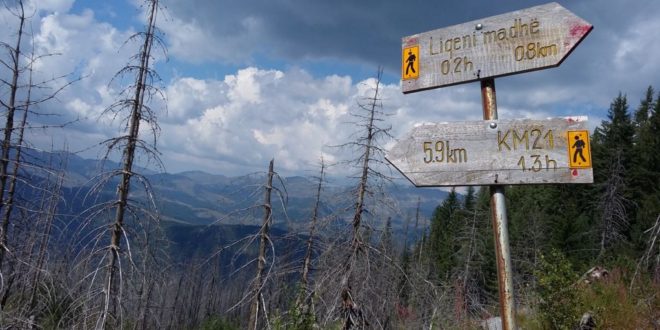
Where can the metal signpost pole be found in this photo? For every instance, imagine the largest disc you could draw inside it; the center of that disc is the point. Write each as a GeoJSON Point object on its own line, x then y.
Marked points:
{"type": "Point", "coordinates": [500, 225]}
{"type": "Point", "coordinates": [494, 152]}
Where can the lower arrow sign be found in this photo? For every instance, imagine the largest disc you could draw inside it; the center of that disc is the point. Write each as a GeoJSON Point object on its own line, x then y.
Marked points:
{"type": "Point", "coordinates": [523, 151]}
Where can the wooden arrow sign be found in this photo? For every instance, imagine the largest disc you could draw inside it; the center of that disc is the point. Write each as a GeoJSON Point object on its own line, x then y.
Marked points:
{"type": "Point", "coordinates": [520, 41]}
{"type": "Point", "coordinates": [495, 152]}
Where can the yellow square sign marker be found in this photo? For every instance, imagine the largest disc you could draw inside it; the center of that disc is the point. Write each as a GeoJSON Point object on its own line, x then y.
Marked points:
{"type": "Point", "coordinates": [579, 150]}
{"type": "Point", "coordinates": [410, 63]}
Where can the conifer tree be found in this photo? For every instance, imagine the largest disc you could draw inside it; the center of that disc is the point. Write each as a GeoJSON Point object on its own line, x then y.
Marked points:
{"type": "Point", "coordinates": [612, 153]}
{"type": "Point", "coordinates": [645, 171]}
{"type": "Point", "coordinates": [469, 202]}
{"type": "Point", "coordinates": [442, 236]}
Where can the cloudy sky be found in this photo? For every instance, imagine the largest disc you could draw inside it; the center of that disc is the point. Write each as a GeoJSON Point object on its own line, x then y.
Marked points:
{"type": "Point", "coordinates": [246, 81]}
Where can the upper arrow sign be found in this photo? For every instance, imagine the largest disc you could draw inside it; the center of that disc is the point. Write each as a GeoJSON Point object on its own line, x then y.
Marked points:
{"type": "Point", "coordinates": [520, 41]}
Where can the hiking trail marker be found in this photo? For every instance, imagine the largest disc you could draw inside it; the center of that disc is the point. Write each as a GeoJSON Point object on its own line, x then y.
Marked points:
{"type": "Point", "coordinates": [520, 41]}
{"type": "Point", "coordinates": [494, 152]}
{"type": "Point", "coordinates": [523, 151]}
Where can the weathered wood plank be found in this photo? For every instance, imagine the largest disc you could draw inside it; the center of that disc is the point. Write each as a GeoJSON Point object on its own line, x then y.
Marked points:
{"type": "Point", "coordinates": [523, 151]}
{"type": "Point", "coordinates": [520, 41]}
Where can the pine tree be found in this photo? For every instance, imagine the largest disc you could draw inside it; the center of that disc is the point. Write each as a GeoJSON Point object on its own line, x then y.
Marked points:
{"type": "Point", "coordinates": [473, 228]}
{"type": "Point", "coordinates": [612, 153]}
{"type": "Point", "coordinates": [469, 202]}
{"type": "Point", "coordinates": [617, 132]}
{"type": "Point", "coordinates": [645, 171]}
{"type": "Point", "coordinates": [441, 237]}
{"type": "Point", "coordinates": [645, 108]}
{"type": "Point", "coordinates": [643, 148]}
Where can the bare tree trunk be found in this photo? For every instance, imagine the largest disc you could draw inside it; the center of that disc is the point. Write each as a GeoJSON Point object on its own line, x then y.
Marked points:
{"type": "Point", "coordinates": [407, 229]}
{"type": "Point", "coordinates": [191, 301]}
{"type": "Point", "coordinates": [614, 219]}
{"type": "Point", "coordinates": [304, 302]}
{"type": "Point", "coordinates": [461, 284]}
{"type": "Point", "coordinates": [310, 241]}
{"type": "Point", "coordinates": [112, 298]}
{"type": "Point", "coordinates": [352, 313]}
{"type": "Point", "coordinates": [145, 306]}
{"type": "Point", "coordinates": [650, 254]}
{"type": "Point", "coordinates": [8, 203]}
{"type": "Point", "coordinates": [49, 218]}
{"type": "Point", "coordinates": [174, 312]}
{"type": "Point", "coordinates": [419, 202]}
{"type": "Point", "coordinates": [9, 127]}
{"type": "Point", "coordinates": [210, 296]}
{"type": "Point", "coordinates": [261, 261]}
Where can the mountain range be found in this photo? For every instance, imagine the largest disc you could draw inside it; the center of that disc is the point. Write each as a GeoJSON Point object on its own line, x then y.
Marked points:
{"type": "Point", "coordinates": [201, 199]}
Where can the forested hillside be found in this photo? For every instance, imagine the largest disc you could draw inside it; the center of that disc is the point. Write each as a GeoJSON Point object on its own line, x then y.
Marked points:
{"type": "Point", "coordinates": [117, 243]}
{"type": "Point", "coordinates": [563, 235]}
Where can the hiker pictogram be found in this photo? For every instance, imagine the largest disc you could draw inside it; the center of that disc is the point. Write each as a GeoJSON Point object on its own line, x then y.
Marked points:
{"type": "Point", "coordinates": [410, 63]}
{"type": "Point", "coordinates": [579, 153]}
{"type": "Point", "coordinates": [578, 146]}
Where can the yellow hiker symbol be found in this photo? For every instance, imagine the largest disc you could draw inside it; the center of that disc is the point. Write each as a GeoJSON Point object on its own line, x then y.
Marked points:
{"type": "Point", "coordinates": [410, 63]}
{"type": "Point", "coordinates": [579, 150]}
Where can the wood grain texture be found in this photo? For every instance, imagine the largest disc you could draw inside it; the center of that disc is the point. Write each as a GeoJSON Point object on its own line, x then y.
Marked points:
{"type": "Point", "coordinates": [490, 152]}
{"type": "Point", "coordinates": [520, 41]}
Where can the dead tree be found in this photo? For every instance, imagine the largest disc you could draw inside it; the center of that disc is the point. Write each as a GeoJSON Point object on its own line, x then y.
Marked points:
{"type": "Point", "coordinates": [310, 240]}
{"type": "Point", "coordinates": [12, 107]}
{"type": "Point", "coordinates": [14, 66]}
{"type": "Point", "coordinates": [8, 202]}
{"type": "Point", "coordinates": [355, 254]}
{"type": "Point", "coordinates": [17, 104]}
{"type": "Point", "coordinates": [470, 240]}
{"type": "Point", "coordinates": [651, 257]}
{"type": "Point", "coordinates": [49, 207]}
{"type": "Point", "coordinates": [369, 143]}
{"type": "Point", "coordinates": [614, 219]}
{"type": "Point", "coordinates": [134, 108]}
{"type": "Point", "coordinates": [264, 240]}
{"type": "Point", "coordinates": [304, 304]}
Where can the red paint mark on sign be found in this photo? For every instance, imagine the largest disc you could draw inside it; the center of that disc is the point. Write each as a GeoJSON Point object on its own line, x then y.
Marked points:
{"type": "Point", "coordinates": [578, 30]}
{"type": "Point", "coordinates": [574, 172]}
{"type": "Point", "coordinates": [412, 41]}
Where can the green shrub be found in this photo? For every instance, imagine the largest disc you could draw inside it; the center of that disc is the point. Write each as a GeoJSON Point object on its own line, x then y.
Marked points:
{"type": "Point", "coordinates": [563, 299]}
{"type": "Point", "coordinates": [559, 303]}
{"type": "Point", "coordinates": [615, 307]}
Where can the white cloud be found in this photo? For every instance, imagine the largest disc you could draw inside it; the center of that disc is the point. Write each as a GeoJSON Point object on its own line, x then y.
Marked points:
{"type": "Point", "coordinates": [635, 46]}
{"type": "Point", "coordinates": [189, 40]}
{"type": "Point", "coordinates": [234, 124]}
{"type": "Point", "coordinates": [52, 5]}
{"type": "Point", "coordinates": [261, 117]}
{"type": "Point", "coordinates": [259, 114]}
{"type": "Point", "coordinates": [187, 97]}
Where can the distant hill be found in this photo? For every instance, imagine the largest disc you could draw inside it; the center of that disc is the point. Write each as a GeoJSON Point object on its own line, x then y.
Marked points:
{"type": "Point", "coordinates": [195, 243]}
{"type": "Point", "coordinates": [199, 198]}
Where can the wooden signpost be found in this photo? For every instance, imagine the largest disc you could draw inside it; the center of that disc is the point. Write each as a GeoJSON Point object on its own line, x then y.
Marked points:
{"type": "Point", "coordinates": [490, 152]}
{"type": "Point", "coordinates": [494, 152]}
{"type": "Point", "coordinates": [520, 41]}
